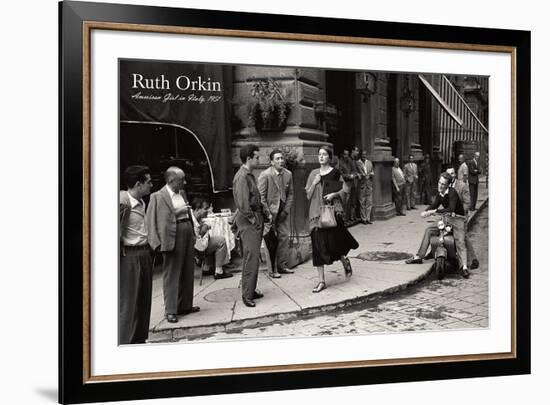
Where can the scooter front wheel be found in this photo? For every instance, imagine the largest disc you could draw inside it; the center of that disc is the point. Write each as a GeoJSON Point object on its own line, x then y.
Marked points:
{"type": "Point", "coordinates": [440, 267]}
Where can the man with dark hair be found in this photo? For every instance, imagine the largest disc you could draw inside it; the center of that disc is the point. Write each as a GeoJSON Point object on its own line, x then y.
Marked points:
{"type": "Point", "coordinates": [172, 229]}
{"type": "Point", "coordinates": [348, 168]}
{"type": "Point", "coordinates": [474, 170]}
{"type": "Point", "coordinates": [366, 172]}
{"type": "Point", "coordinates": [136, 267]}
{"type": "Point", "coordinates": [448, 199]}
{"type": "Point", "coordinates": [249, 220]}
{"type": "Point", "coordinates": [411, 180]}
{"type": "Point", "coordinates": [277, 196]}
{"type": "Point", "coordinates": [425, 180]}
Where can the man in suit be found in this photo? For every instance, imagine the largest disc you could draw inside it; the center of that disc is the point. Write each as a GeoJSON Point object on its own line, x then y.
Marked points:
{"type": "Point", "coordinates": [462, 173]}
{"type": "Point", "coordinates": [366, 173]}
{"type": "Point", "coordinates": [474, 170]}
{"type": "Point", "coordinates": [136, 268]}
{"type": "Point", "coordinates": [249, 221]}
{"type": "Point", "coordinates": [172, 228]}
{"type": "Point", "coordinates": [446, 201]}
{"type": "Point", "coordinates": [425, 180]}
{"type": "Point", "coordinates": [398, 185]}
{"type": "Point", "coordinates": [348, 168]}
{"type": "Point", "coordinates": [411, 180]}
{"type": "Point", "coordinates": [277, 196]}
{"type": "Point", "coordinates": [464, 194]}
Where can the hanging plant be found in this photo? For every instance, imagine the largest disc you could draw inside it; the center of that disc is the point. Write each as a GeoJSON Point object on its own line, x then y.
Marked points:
{"type": "Point", "coordinates": [268, 108]}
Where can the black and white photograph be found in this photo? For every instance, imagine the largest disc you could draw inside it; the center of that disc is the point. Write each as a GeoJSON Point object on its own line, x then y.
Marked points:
{"type": "Point", "coordinates": [288, 202]}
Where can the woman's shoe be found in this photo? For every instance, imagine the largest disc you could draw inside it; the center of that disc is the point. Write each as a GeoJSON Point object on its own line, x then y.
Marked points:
{"type": "Point", "coordinates": [347, 267]}
{"type": "Point", "coordinates": [320, 287]}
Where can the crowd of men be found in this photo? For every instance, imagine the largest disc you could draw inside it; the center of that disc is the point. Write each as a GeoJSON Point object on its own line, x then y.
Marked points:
{"type": "Point", "coordinates": [171, 226]}
{"type": "Point", "coordinates": [357, 172]}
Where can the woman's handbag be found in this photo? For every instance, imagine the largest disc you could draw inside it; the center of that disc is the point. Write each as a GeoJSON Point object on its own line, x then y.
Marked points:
{"type": "Point", "coordinates": [327, 219]}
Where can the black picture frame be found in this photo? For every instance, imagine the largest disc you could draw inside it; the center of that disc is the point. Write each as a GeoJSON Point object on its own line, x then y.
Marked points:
{"type": "Point", "coordinates": [74, 383]}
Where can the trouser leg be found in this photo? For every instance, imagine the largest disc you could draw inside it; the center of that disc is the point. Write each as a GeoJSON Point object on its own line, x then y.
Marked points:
{"type": "Point", "coordinates": [368, 198]}
{"type": "Point", "coordinates": [251, 238]}
{"type": "Point", "coordinates": [473, 196]}
{"type": "Point", "coordinates": [398, 198]}
{"type": "Point", "coordinates": [172, 263]}
{"type": "Point", "coordinates": [428, 191]}
{"type": "Point", "coordinates": [413, 194]}
{"type": "Point", "coordinates": [186, 287]}
{"type": "Point", "coordinates": [363, 200]}
{"type": "Point", "coordinates": [353, 202]}
{"type": "Point", "coordinates": [217, 247]}
{"type": "Point", "coordinates": [425, 244]}
{"type": "Point", "coordinates": [128, 284]}
{"type": "Point", "coordinates": [470, 251]}
{"type": "Point", "coordinates": [408, 188]}
{"type": "Point", "coordinates": [283, 231]}
{"type": "Point", "coordinates": [346, 204]}
{"type": "Point", "coordinates": [458, 233]}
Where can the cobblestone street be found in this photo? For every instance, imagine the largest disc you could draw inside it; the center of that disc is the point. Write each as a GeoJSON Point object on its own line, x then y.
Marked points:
{"type": "Point", "coordinates": [452, 303]}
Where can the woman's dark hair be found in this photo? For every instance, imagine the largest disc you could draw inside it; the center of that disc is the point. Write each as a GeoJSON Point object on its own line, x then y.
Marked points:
{"type": "Point", "coordinates": [326, 149]}
{"type": "Point", "coordinates": [135, 173]}
{"type": "Point", "coordinates": [247, 151]}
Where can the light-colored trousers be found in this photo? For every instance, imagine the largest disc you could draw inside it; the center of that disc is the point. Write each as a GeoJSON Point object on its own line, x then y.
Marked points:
{"type": "Point", "coordinates": [365, 199]}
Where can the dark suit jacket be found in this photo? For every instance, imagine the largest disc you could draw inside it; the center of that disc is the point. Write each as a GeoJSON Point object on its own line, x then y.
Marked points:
{"type": "Point", "coordinates": [161, 221]}
{"type": "Point", "coordinates": [270, 190]}
{"type": "Point", "coordinates": [474, 170]}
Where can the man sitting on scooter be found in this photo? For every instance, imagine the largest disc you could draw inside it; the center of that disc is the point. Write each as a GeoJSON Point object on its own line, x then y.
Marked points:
{"type": "Point", "coordinates": [450, 201]}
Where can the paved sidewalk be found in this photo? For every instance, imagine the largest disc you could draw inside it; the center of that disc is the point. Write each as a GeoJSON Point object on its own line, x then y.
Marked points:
{"type": "Point", "coordinates": [290, 296]}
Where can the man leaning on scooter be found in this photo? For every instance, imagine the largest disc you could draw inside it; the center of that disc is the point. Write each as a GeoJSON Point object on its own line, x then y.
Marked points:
{"type": "Point", "coordinates": [448, 199]}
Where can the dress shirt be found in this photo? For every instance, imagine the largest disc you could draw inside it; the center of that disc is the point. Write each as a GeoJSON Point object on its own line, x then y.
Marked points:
{"type": "Point", "coordinates": [134, 232]}
{"type": "Point", "coordinates": [181, 207]}
{"type": "Point", "coordinates": [398, 176]}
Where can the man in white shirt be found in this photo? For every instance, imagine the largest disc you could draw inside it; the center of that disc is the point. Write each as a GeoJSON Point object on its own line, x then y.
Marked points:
{"type": "Point", "coordinates": [398, 185]}
{"type": "Point", "coordinates": [411, 178]}
{"type": "Point", "coordinates": [136, 269]}
{"type": "Point", "coordinates": [366, 173]}
{"type": "Point", "coordinates": [462, 174]}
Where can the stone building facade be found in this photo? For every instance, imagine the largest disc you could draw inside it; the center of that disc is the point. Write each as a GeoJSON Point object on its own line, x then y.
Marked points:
{"type": "Point", "coordinates": [340, 109]}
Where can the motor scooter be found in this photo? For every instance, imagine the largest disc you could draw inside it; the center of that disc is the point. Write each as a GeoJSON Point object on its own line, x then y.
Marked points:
{"type": "Point", "coordinates": [443, 247]}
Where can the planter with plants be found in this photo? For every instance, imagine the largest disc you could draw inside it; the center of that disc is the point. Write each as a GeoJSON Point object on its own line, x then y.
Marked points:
{"type": "Point", "coordinates": [268, 108]}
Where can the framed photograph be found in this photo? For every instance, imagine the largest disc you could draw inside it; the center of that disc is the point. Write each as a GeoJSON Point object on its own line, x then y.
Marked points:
{"type": "Point", "coordinates": [256, 202]}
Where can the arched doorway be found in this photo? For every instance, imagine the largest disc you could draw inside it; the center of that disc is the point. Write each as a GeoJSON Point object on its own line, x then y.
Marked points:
{"type": "Point", "coordinates": [160, 146]}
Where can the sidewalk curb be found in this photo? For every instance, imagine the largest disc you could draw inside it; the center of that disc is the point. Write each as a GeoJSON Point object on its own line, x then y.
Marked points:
{"type": "Point", "coordinates": [195, 332]}
{"type": "Point", "coordinates": [165, 335]}
{"type": "Point", "coordinates": [475, 214]}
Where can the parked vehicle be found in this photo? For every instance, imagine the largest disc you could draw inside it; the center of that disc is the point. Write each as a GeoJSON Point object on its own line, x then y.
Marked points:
{"type": "Point", "coordinates": [443, 247]}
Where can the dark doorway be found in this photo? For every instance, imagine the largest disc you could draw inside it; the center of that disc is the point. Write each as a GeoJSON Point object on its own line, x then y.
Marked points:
{"type": "Point", "coordinates": [340, 90]}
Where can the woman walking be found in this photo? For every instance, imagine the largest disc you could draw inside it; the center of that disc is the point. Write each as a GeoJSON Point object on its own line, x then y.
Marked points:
{"type": "Point", "coordinates": [325, 187]}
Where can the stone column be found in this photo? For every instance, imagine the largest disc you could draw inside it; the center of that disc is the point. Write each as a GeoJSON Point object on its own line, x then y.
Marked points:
{"type": "Point", "coordinates": [380, 153]}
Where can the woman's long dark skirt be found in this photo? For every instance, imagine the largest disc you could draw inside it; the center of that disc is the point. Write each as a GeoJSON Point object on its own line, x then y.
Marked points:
{"type": "Point", "coordinates": [330, 244]}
